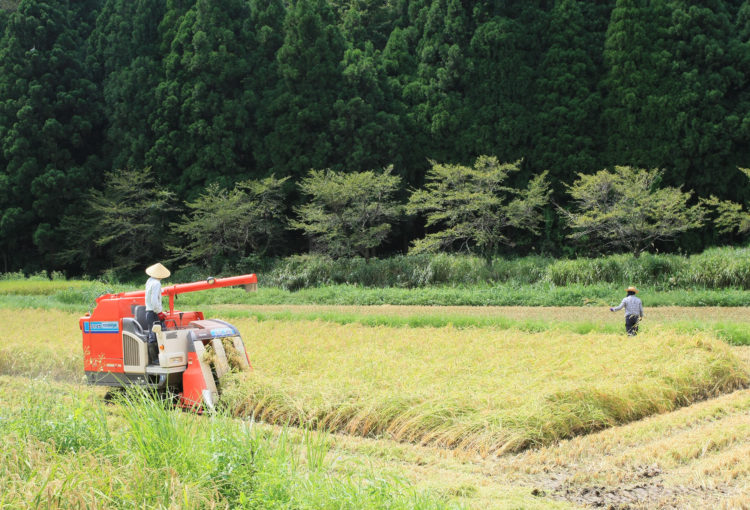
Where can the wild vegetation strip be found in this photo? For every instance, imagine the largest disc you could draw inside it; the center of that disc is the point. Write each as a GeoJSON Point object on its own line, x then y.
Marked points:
{"type": "Point", "coordinates": [715, 268]}
{"type": "Point", "coordinates": [61, 448]}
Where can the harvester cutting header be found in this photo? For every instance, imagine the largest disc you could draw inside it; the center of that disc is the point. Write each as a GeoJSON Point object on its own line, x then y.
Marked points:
{"type": "Point", "coordinates": [116, 335]}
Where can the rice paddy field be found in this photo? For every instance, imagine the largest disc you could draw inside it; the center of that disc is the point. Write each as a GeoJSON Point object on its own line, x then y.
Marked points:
{"type": "Point", "coordinates": [394, 407]}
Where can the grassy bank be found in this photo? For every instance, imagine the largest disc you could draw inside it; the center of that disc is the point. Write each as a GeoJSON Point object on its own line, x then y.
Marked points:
{"type": "Point", "coordinates": [78, 295]}
{"type": "Point", "coordinates": [60, 448]}
{"type": "Point", "coordinates": [730, 324]}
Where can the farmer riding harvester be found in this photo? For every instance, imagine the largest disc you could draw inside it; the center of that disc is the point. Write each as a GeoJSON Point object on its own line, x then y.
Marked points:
{"type": "Point", "coordinates": [115, 345]}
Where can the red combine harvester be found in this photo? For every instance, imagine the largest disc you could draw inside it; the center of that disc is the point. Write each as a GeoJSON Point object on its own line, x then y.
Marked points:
{"type": "Point", "coordinates": [115, 345]}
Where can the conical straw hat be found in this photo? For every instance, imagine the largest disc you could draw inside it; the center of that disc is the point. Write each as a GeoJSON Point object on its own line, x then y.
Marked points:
{"type": "Point", "coordinates": [158, 271]}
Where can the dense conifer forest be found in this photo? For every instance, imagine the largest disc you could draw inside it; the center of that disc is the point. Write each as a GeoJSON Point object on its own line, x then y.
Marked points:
{"type": "Point", "coordinates": [203, 94]}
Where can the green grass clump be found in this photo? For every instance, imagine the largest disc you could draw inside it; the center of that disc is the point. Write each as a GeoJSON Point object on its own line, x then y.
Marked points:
{"type": "Point", "coordinates": [143, 454]}
{"type": "Point", "coordinates": [66, 421]}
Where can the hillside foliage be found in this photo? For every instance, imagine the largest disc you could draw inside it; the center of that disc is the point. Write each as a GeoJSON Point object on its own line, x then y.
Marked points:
{"type": "Point", "coordinates": [215, 93]}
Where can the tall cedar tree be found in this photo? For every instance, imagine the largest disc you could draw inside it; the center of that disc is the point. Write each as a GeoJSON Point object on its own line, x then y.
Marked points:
{"type": "Point", "coordinates": [309, 64]}
{"type": "Point", "coordinates": [503, 59]}
{"type": "Point", "coordinates": [125, 45]}
{"type": "Point", "coordinates": [399, 64]}
{"type": "Point", "coordinates": [366, 134]}
{"type": "Point", "coordinates": [741, 50]}
{"type": "Point", "coordinates": [267, 18]}
{"type": "Point", "coordinates": [367, 128]}
{"type": "Point", "coordinates": [204, 121]}
{"type": "Point", "coordinates": [569, 103]}
{"type": "Point", "coordinates": [436, 95]}
{"type": "Point", "coordinates": [49, 128]}
{"type": "Point", "coordinates": [638, 62]}
{"type": "Point", "coordinates": [704, 81]}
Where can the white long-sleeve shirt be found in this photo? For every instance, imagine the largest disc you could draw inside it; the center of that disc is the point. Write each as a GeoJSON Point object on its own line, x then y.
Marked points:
{"type": "Point", "coordinates": [632, 305]}
{"type": "Point", "coordinates": [153, 295]}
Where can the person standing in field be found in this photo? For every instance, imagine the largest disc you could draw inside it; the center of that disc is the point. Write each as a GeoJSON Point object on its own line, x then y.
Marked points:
{"type": "Point", "coordinates": [154, 313]}
{"type": "Point", "coordinates": [157, 273]}
{"type": "Point", "coordinates": [633, 311]}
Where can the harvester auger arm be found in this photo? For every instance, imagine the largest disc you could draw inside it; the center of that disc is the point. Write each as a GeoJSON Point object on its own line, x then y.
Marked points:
{"type": "Point", "coordinates": [249, 281]}
{"type": "Point", "coordinates": [192, 351]}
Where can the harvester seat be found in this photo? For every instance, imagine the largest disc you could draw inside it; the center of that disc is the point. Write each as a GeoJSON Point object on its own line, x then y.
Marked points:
{"type": "Point", "coordinates": [140, 317]}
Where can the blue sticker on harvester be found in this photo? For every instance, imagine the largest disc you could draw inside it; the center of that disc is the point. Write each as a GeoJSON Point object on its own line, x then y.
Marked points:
{"type": "Point", "coordinates": [101, 327]}
{"type": "Point", "coordinates": [222, 332]}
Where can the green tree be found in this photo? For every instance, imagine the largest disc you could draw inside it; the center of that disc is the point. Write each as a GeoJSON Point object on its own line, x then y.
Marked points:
{"type": "Point", "coordinates": [436, 94]}
{"type": "Point", "coordinates": [125, 44]}
{"type": "Point", "coordinates": [204, 124]}
{"type": "Point", "coordinates": [267, 18]}
{"type": "Point", "coordinates": [626, 208]}
{"type": "Point", "coordinates": [50, 128]}
{"type": "Point", "coordinates": [309, 65]}
{"type": "Point", "coordinates": [365, 129]}
{"type": "Point", "coordinates": [228, 225]}
{"type": "Point", "coordinates": [472, 208]}
{"type": "Point", "coordinates": [348, 213]}
{"type": "Point", "coordinates": [730, 216]}
{"type": "Point", "coordinates": [129, 219]}
{"type": "Point", "coordinates": [638, 83]}
{"type": "Point", "coordinates": [565, 139]}
{"type": "Point", "coordinates": [741, 57]}
{"type": "Point", "coordinates": [398, 63]}
{"type": "Point", "coordinates": [499, 98]}
{"type": "Point", "coordinates": [704, 83]}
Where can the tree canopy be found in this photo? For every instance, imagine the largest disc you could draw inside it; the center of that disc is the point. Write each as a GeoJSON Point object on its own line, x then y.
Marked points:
{"type": "Point", "coordinates": [348, 213]}
{"type": "Point", "coordinates": [626, 208]}
{"type": "Point", "coordinates": [471, 208]}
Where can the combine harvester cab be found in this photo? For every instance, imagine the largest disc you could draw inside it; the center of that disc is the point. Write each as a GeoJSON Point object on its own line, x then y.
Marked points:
{"type": "Point", "coordinates": [193, 353]}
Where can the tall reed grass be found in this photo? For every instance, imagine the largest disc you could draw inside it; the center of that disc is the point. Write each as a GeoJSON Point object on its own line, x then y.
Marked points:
{"type": "Point", "coordinates": [715, 268]}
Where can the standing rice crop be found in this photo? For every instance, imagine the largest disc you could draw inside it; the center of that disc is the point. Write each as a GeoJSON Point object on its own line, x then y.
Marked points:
{"type": "Point", "coordinates": [484, 390]}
